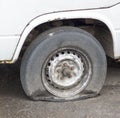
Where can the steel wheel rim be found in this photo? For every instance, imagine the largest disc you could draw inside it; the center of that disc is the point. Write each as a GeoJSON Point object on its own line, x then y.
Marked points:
{"type": "Point", "coordinates": [66, 72]}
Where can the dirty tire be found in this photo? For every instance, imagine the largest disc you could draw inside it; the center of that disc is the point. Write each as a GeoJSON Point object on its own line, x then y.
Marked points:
{"type": "Point", "coordinates": [64, 62]}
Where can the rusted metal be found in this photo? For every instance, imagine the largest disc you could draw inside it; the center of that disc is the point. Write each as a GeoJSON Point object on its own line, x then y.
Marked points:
{"type": "Point", "coordinates": [6, 62]}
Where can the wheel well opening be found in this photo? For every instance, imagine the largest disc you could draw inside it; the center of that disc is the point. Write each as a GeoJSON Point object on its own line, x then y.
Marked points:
{"type": "Point", "coordinates": [95, 27]}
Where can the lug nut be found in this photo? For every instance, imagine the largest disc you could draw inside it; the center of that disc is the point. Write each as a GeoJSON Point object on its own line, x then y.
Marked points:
{"type": "Point", "coordinates": [72, 68]}
{"type": "Point", "coordinates": [65, 64]}
{"type": "Point", "coordinates": [58, 70]}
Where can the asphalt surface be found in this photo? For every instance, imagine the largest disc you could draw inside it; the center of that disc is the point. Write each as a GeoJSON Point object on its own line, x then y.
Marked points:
{"type": "Point", "coordinates": [15, 104]}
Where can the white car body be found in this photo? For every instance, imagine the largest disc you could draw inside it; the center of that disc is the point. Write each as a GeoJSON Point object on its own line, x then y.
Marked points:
{"type": "Point", "coordinates": [19, 18]}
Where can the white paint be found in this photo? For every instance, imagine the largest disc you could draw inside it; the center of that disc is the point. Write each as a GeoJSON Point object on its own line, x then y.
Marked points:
{"type": "Point", "coordinates": [117, 44]}
{"type": "Point", "coordinates": [20, 17]}
{"type": "Point", "coordinates": [16, 14]}
{"type": "Point", "coordinates": [8, 45]}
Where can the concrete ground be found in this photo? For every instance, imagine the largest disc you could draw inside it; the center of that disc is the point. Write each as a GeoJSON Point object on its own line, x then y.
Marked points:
{"type": "Point", "coordinates": [14, 103]}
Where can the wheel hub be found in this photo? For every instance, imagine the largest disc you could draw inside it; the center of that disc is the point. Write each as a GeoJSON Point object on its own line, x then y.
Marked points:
{"type": "Point", "coordinates": [65, 70]}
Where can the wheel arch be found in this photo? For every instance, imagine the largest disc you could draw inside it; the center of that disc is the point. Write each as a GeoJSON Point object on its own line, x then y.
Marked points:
{"type": "Point", "coordinates": [46, 18]}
